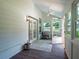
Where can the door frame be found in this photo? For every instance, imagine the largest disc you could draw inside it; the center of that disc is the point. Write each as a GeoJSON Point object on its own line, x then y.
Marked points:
{"type": "Point", "coordinates": [74, 18]}
{"type": "Point", "coordinates": [28, 19]}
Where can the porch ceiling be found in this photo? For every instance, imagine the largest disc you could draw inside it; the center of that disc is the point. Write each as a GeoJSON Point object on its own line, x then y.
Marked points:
{"type": "Point", "coordinates": [55, 7]}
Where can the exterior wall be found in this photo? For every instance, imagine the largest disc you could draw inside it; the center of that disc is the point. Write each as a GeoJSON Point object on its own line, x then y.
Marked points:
{"type": "Point", "coordinates": [13, 25]}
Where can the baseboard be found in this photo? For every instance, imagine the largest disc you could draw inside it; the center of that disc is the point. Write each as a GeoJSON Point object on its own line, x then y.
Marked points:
{"type": "Point", "coordinates": [7, 54]}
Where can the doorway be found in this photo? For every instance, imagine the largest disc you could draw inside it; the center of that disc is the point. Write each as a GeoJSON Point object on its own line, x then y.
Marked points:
{"type": "Point", "coordinates": [32, 29]}
{"type": "Point", "coordinates": [57, 31]}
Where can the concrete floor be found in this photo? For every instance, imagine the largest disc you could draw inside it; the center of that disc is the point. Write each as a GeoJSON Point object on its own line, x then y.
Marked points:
{"type": "Point", "coordinates": [42, 49]}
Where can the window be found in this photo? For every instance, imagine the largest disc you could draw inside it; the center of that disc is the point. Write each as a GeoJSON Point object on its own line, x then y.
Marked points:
{"type": "Point", "coordinates": [69, 24]}
{"type": "Point", "coordinates": [77, 21]}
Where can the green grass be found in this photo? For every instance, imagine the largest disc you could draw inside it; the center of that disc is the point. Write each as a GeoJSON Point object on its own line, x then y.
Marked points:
{"type": "Point", "coordinates": [77, 34]}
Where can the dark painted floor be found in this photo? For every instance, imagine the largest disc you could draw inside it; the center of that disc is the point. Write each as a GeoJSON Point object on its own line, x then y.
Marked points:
{"type": "Point", "coordinates": [57, 52]}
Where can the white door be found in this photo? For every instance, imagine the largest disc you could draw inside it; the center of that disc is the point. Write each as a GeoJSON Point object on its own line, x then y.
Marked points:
{"type": "Point", "coordinates": [76, 30]}
{"type": "Point", "coordinates": [68, 33]}
{"type": "Point", "coordinates": [32, 30]}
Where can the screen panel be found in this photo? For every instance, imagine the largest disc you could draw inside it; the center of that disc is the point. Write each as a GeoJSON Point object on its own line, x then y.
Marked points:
{"type": "Point", "coordinates": [68, 24]}
{"type": "Point", "coordinates": [77, 21]}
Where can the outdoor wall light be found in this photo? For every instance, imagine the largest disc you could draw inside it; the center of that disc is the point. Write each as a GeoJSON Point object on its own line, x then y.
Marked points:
{"type": "Point", "coordinates": [27, 18]}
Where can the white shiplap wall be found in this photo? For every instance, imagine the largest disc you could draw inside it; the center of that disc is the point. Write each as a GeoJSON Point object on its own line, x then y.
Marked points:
{"type": "Point", "coordinates": [13, 26]}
